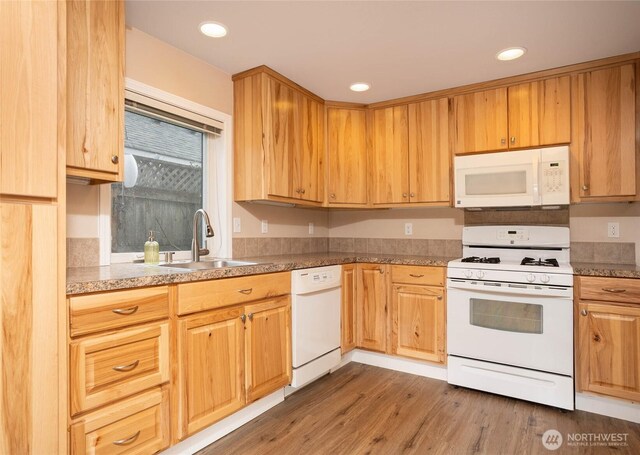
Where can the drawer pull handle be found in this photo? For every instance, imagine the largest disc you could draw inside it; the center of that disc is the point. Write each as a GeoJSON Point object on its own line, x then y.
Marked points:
{"type": "Point", "coordinates": [245, 291]}
{"type": "Point", "coordinates": [129, 367]}
{"type": "Point", "coordinates": [413, 275]}
{"type": "Point", "coordinates": [614, 290]}
{"type": "Point", "coordinates": [126, 311]}
{"type": "Point", "coordinates": [127, 441]}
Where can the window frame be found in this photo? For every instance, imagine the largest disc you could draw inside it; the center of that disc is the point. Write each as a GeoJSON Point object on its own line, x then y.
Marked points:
{"type": "Point", "coordinates": [217, 163]}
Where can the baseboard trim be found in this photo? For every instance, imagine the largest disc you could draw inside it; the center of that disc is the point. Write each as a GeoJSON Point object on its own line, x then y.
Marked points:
{"type": "Point", "coordinates": [399, 364]}
{"type": "Point", "coordinates": [610, 407]}
{"type": "Point", "coordinates": [220, 429]}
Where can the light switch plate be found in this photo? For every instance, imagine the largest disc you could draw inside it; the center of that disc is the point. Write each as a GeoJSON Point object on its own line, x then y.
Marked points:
{"type": "Point", "coordinates": [311, 228]}
{"type": "Point", "coordinates": [264, 227]}
{"type": "Point", "coordinates": [236, 225]}
{"type": "Point", "coordinates": [408, 228]}
{"type": "Point", "coordinates": [613, 230]}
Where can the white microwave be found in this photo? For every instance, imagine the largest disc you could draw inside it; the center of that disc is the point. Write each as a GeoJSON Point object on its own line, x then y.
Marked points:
{"type": "Point", "coordinates": [524, 178]}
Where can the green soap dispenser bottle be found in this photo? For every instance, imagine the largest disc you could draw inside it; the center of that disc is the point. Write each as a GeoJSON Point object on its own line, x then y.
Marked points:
{"type": "Point", "coordinates": [151, 250]}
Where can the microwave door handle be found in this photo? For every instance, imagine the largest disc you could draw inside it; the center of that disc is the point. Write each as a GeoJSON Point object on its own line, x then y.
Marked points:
{"type": "Point", "coordinates": [536, 179]}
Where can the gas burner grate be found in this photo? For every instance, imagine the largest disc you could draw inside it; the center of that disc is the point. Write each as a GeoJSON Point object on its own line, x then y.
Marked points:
{"type": "Point", "coordinates": [540, 262]}
{"type": "Point", "coordinates": [479, 260]}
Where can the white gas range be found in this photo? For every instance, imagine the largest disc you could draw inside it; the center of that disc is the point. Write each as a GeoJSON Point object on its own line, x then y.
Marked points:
{"type": "Point", "coordinates": [510, 313]}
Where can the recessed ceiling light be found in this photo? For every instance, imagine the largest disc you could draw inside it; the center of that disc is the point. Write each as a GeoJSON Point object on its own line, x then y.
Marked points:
{"type": "Point", "coordinates": [360, 87]}
{"type": "Point", "coordinates": [511, 53]}
{"type": "Point", "coordinates": [213, 29]}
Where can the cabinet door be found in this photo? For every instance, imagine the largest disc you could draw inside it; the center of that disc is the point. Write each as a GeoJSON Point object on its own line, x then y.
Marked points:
{"type": "Point", "coordinates": [609, 349]}
{"type": "Point", "coordinates": [605, 132]}
{"type": "Point", "coordinates": [371, 309]}
{"type": "Point", "coordinates": [284, 107]}
{"type": "Point", "coordinates": [210, 368]}
{"type": "Point", "coordinates": [390, 169]}
{"type": "Point", "coordinates": [540, 113]}
{"type": "Point", "coordinates": [419, 322]}
{"type": "Point", "coordinates": [481, 121]}
{"type": "Point", "coordinates": [348, 319]}
{"type": "Point", "coordinates": [28, 98]}
{"type": "Point", "coordinates": [268, 346]}
{"type": "Point", "coordinates": [309, 182]}
{"type": "Point", "coordinates": [429, 151]}
{"type": "Point", "coordinates": [347, 156]}
{"type": "Point", "coordinates": [95, 86]}
{"type": "Point", "coordinates": [29, 344]}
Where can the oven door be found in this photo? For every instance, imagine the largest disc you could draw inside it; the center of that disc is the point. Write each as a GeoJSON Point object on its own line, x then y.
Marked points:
{"type": "Point", "coordinates": [511, 327]}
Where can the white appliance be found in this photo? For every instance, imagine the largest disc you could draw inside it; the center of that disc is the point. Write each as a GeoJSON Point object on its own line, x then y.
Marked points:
{"type": "Point", "coordinates": [510, 313]}
{"type": "Point", "coordinates": [315, 313]}
{"type": "Point", "coordinates": [524, 178]}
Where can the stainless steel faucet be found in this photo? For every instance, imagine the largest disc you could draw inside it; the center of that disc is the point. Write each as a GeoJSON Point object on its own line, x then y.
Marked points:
{"type": "Point", "coordinates": [195, 247]}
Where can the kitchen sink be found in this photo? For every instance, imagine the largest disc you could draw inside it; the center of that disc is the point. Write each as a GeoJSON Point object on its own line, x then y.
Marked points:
{"type": "Point", "coordinates": [207, 265]}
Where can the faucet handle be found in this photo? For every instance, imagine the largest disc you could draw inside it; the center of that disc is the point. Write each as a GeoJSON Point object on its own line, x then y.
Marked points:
{"type": "Point", "coordinates": [168, 256]}
{"type": "Point", "coordinates": [204, 251]}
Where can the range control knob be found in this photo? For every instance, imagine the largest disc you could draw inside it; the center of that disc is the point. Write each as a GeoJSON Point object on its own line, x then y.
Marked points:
{"type": "Point", "coordinates": [531, 277]}
{"type": "Point", "coordinates": [468, 273]}
{"type": "Point", "coordinates": [544, 278]}
{"type": "Point", "coordinates": [480, 274]}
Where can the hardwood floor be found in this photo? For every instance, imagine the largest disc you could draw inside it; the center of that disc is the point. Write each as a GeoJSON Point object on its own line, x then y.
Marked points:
{"type": "Point", "coordinates": [361, 409]}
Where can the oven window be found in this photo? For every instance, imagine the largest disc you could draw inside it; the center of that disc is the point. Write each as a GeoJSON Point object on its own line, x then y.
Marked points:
{"type": "Point", "coordinates": [507, 316]}
{"type": "Point", "coordinates": [514, 182]}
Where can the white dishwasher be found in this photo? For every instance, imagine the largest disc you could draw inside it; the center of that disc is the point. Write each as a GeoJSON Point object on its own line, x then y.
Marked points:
{"type": "Point", "coordinates": [315, 325]}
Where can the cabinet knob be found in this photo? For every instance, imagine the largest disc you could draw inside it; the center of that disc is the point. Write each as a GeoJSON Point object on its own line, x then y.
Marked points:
{"type": "Point", "coordinates": [302, 190]}
{"type": "Point", "coordinates": [298, 190]}
{"type": "Point", "coordinates": [243, 318]}
{"type": "Point", "coordinates": [439, 297]}
{"type": "Point", "coordinates": [513, 139]}
{"type": "Point", "coordinates": [381, 270]}
{"type": "Point", "coordinates": [332, 195]}
{"type": "Point", "coordinates": [412, 194]}
{"type": "Point", "coordinates": [115, 159]}
{"type": "Point", "coordinates": [585, 188]}
{"type": "Point", "coordinates": [250, 316]}
{"type": "Point", "coordinates": [503, 141]}
{"type": "Point", "coordinates": [583, 312]}
{"type": "Point", "coordinates": [404, 194]}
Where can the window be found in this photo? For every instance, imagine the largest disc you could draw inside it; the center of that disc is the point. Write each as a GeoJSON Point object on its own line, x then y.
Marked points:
{"type": "Point", "coordinates": [176, 162]}
{"type": "Point", "coordinates": [163, 185]}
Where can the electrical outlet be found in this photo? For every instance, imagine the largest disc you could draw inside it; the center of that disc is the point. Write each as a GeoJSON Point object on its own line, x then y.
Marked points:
{"type": "Point", "coordinates": [408, 228]}
{"type": "Point", "coordinates": [264, 226]}
{"type": "Point", "coordinates": [236, 225]}
{"type": "Point", "coordinates": [311, 228]}
{"type": "Point", "coordinates": [613, 230]}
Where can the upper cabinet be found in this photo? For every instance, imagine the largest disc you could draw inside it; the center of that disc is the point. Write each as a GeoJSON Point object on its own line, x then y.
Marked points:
{"type": "Point", "coordinates": [604, 148]}
{"type": "Point", "coordinates": [346, 156]}
{"type": "Point", "coordinates": [278, 140]}
{"type": "Point", "coordinates": [28, 99]}
{"type": "Point", "coordinates": [95, 89]}
{"type": "Point", "coordinates": [411, 157]}
{"type": "Point", "coordinates": [526, 115]}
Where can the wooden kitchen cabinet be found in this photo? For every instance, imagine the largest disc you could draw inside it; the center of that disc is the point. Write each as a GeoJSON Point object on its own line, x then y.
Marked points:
{"type": "Point", "coordinates": [278, 139]}
{"type": "Point", "coordinates": [28, 99]}
{"type": "Point", "coordinates": [418, 312]}
{"type": "Point", "coordinates": [210, 367]}
{"type": "Point", "coordinates": [95, 89]}
{"type": "Point", "coordinates": [608, 337]}
{"type": "Point", "coordinates": [530, 114]}
{"type": "Point", "coordinates": [268, 346]}
{"type": "Point", "coordinates": [346, 156]}
{"type": "Point", "coordinates": [348, 312]}
{"type": "Point", "coordinates": [371, 306]}
{"type": "Point", "coordinates": [605, 153]}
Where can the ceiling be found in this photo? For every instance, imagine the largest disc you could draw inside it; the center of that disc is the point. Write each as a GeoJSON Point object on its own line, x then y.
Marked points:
{"type": "Point", "coordinates": [401, 48]}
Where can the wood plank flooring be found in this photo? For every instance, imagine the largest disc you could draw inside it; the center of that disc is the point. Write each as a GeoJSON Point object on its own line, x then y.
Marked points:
{"type": "Point", "coordinates": [361, 409]}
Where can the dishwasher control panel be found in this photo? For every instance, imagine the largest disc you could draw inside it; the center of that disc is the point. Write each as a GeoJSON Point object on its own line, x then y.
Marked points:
{"type": "Point", "coordinates": [316, 279]}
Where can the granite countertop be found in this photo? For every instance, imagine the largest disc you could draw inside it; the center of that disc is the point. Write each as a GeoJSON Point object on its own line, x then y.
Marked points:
{"type": "Point", "coordinates": [606, 270]}
{"type": "Point", "coordinates": [82, 280]}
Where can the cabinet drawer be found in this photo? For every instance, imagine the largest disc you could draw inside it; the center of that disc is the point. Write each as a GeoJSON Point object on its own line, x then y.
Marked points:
{"type": "Point", "coordinates": [93, 313]}
{"type": "Point", "coordinates": [625, 290]}
{"type": "Point", "coordinates": [205, 295]}
{"type": "Point", "coordinates": [411, 274]}
{"type": "Point", "coordinates": [137, 425]}
{"type": "Point", "coordinates": [108, 367]}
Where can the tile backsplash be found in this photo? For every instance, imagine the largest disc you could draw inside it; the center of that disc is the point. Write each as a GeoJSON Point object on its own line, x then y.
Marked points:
{"type": "Point", "coordinates": [603, 252]}
{"type": "Point", "coordinates": [524, 217]}
{"type": "Point", "coordinates": [83, 252]}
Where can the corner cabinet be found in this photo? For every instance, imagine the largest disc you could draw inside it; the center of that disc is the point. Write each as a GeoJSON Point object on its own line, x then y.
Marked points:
{"type": "Point", "coordinates": [605, 149]}
{"type": "Point", "coordinates": [608, 336]}
{"type": "Point", "coordinates": [531, 114]}
{"type": "Point", "coordinates": [95, 90]}
{"type": "Point", "coordinates": [278, 140]}
{"type": "Point", "coordinates": [371, 306]}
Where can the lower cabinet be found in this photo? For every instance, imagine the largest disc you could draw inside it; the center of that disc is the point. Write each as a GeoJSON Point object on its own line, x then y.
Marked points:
{"type": "Point", "coordinates": [136, 425]}
{"type": "Point", "coordinates": [348, 313]}
{"type": "Point", "coordinates": [230, 357]}
{"type": "Point", "coordinates": [608, 337]}
{"type": "Point", "coordinates": [371, 306]}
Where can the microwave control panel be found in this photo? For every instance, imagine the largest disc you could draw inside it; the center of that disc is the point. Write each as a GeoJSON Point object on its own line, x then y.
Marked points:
{"type": "Point", "coordinates": [554, 176]}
